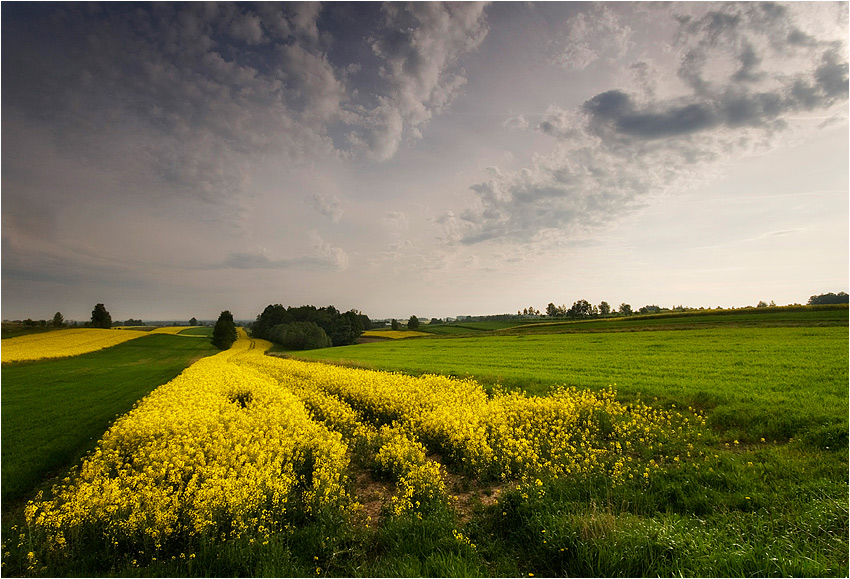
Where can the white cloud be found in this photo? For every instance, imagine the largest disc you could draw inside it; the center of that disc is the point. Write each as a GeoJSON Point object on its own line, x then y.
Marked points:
{"type": "Point", "coordinates": [597, 33]}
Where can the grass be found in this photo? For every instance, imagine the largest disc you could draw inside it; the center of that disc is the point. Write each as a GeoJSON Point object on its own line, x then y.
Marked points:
{"type": "Point", "coordinates": [54, 411]}
{"type": "Point", "coordinates": [198, 331]}
{"type": "Point", "coordinates": [772, 382]}
{"type": "Point", "coordinates": [770, 497]}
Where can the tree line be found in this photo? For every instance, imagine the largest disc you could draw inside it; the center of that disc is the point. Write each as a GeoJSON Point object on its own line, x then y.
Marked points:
{"type": "Point", "coordinates": [309, 327]}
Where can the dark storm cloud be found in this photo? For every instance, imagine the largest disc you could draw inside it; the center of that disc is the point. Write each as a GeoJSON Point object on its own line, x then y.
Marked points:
{"type": "Point", "coordinates": [199, 93]}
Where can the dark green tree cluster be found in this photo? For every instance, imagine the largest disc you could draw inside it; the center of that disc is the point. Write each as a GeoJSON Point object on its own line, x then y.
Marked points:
{"type": "Point", "coordinates": [132, 322]}
{"type": "Point", "coordinates": [300, 336]}
{"type": "Point", "coordinates": [413, 323]}
{"type": "Point", "coordinates": [224, 332]}
{"type": "Point", "coordinates": [830, 298]}
{"type": "Point", "coordinates": [343, 328]}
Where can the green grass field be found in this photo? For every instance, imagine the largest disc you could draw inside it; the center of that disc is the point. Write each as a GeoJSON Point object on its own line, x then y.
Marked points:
{"type": "Point", "coordinates": [768, 498]}
{"type": "Point", "coordinates": [771, 382]}
{"type": "Point", "coordinates": [205, 331]}
{"type": "Point", "coordinates": [54, 411]}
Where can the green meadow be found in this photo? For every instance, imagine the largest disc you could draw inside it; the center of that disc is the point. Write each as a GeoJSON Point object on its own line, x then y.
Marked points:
{"type": "Point", "coordinates": [767, 381]}
{"type": "Point", "coordinates": [768, 495]}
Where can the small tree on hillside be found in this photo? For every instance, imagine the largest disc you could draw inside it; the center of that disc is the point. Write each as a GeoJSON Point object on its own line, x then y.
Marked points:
{"type": "Point", "coordinates": [100, 318]}
{"type": "Point", "coordinates": [413, 323]}
{"type": "Point", "coordinates": [394, 325]}
{"type": "Point", "coordinates": [224, 332]}
{"type": "Point", "coordinates": [604, 308]}
{"type": "Point", "coordinates": [58, 320]}
{"type": "Point", "coordinates": [193, 322]}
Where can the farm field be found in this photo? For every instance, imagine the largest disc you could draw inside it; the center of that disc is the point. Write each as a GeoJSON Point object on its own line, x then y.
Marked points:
{"type": "Point", "coordinates": [773, 382]}
{"type": "Point", "coordinates": [248, 464]}
{"type": "Point", "coordinates": [54, 410]}
{"type": "Point", "coordinates": [393, 334]}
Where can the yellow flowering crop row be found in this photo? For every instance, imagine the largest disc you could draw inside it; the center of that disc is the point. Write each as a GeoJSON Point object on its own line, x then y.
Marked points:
{"type": "Point", "coordinates": [63, 343]}
{"type": "Point", "coordinates": [241, 441]}
{"type": "Point", "coordinates": [216, 452]}
{"type": "Point", "coordinates": [509, 435]}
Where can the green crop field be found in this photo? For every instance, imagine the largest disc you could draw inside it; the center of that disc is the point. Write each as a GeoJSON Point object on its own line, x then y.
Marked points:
{"type": "Point", "coordinates": [55, 410]}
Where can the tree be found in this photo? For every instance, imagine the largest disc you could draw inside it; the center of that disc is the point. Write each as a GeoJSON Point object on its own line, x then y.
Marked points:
{"type": "Point", "coordinates": [301, 336]}
{"type": "Point", "coordinates": [342, 328]}
{"type": "Point", "coordinates": [58, 320]}
{"type": "Point", "coordinates": [193, 322]}
{"type": "Point", "coordinates": [830, 298]}
{"type": "Point", "coordinates": [762, 304]}
{"type": "Point", "coordinates": [365, 321]}
{"type": "Point", "coordinates": [413, 323]}
{"type": "Point", "coordinates": [551, 310]}
{"type": "Point", "coordinates": [625, 309]}
{"type": "Point", "coordinates": [100, 318]}
{"type": "Point", "coordinates": [394, 324]}
{"type": "Point", "coordinates": [224, 332]}
{"type": "Point", "coordinates": [580, 309]}
{"type": "Point", "coordinates": [604, 308]}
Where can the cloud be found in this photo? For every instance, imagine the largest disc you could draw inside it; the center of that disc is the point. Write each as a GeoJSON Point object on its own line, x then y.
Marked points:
{"type": "Point", "coordinates": [190, 99]}
{"type": "Point", "coordinates": [591, 35]}
{"type": "Point", "coordinates": [324, 256]}
{"type": "Point", "coordinates": [517, 122]}
{"type": "Point", "coordinates": [327, 205]}
{"type": "Point", "coordinates": [396, 222]}
{"type": "Point", "coordinates": [418, 47]}
{"type": "Point", "coordinates": [617, 149]}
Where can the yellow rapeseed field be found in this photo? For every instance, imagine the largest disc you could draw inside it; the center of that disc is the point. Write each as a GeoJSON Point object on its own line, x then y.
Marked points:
{"type": "Point", "coordinates": [63, 343]}
{"type": "Point", "coordinates": [173, 330]}
{"type": "Point", "coordinates": [242, 444]}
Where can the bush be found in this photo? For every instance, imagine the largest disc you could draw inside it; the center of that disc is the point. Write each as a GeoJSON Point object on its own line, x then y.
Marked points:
{"type": "Point", "coordinates": [300, 336]}
{"type": "Point", "coordinates": [224, 332]}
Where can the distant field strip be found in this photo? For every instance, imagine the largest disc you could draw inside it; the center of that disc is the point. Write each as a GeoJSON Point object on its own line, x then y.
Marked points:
{"type": "Point", "coordinates": [173, 330]}
{"type": "Point", "coordinates": [393, 334]}
{"type": "Point", "coordinates": [63, 343]}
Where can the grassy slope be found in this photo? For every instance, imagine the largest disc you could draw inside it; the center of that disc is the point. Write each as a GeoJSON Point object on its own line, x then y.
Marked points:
{"type": "Point", "coordinates": [54, 411]}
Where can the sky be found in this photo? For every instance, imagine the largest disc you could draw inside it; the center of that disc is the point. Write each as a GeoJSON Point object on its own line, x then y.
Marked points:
{"type": "Point", "coordinates": [175, 160]}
